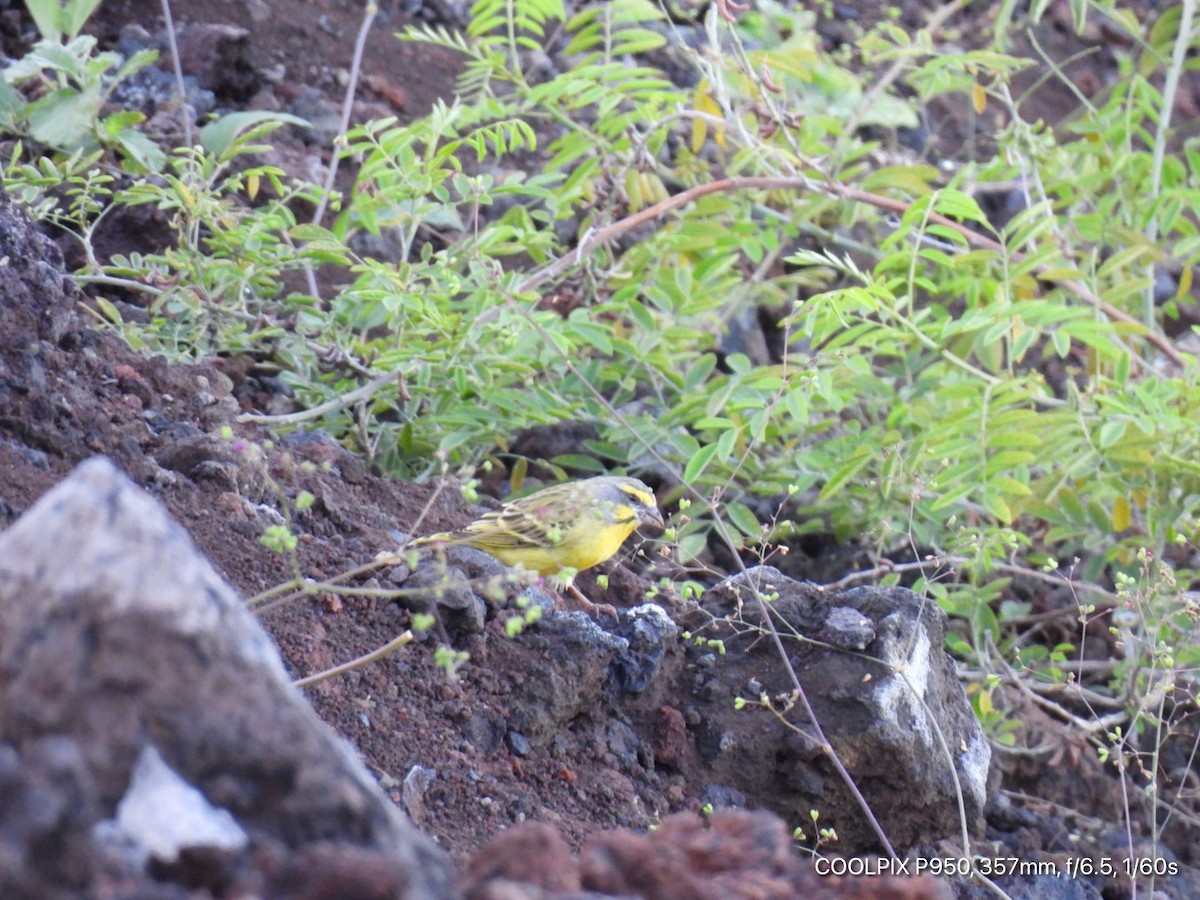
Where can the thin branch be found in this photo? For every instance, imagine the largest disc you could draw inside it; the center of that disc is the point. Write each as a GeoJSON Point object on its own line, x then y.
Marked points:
{"type": "Point", "coordinates": [369, 13]}
{"type": "Point", "coordinates": [339, 402]}
{"type": "Point", "coordinates": [1183, 43]}
{"type": "Point", "coordinates": [360, 45]}
{"type": "Point", "coordinates": [365, 660]}
{"type": "Point", "coordinates": [178, 70]}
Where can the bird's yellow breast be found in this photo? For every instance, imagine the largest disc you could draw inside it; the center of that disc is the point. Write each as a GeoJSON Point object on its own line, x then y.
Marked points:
{"type": "Point", "coordinates": [583, 545]}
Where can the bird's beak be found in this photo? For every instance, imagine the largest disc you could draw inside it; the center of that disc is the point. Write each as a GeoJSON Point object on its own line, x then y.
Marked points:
{"type": "Point", "coordinates": [651, 516]}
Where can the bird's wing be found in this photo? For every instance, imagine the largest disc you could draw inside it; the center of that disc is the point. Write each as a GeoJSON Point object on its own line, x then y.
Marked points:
{"type": "Point", "coordinates": [510, 528]}
{"type": "Point", "coordinates": [520, 524]}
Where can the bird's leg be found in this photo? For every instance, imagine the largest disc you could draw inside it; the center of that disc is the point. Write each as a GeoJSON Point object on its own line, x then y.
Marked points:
{"type": "Point", "coordinates": [593, 608]}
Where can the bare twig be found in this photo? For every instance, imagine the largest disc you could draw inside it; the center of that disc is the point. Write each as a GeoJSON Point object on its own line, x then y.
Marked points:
{"type": "Point", "coordinates": [365, 660]}
{"type": "Point", "coordinates": [339, 402]}
{"type": "Point", "coordinates": [369, 13]}
{"type": "Point", "coordinates": [178, 70]}
{"type": "Point", "coordinates": [1183, 44]}
{"type": "Point", "coordinates": [360, 45]}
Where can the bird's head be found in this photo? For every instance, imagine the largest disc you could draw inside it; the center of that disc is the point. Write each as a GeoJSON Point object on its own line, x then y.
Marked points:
{"type": "Point", "coordinates": [630, 497]}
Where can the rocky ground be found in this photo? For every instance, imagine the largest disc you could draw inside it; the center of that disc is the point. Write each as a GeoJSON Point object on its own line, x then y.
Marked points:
{"type": "Point", "coordinates": [578, 725]}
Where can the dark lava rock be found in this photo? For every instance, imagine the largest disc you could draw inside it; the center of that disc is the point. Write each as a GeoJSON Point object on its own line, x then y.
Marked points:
{"type": "Point", "coordinates": [895, 713]}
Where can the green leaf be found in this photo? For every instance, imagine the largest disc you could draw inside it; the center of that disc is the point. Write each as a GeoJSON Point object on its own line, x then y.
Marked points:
{"type": "Point", "coordinates": [109, 310]}
{"type": "Point", "coordinates": [608, 450]}
{"type": "Point", "coordinates": [54, 56]}
{"type": "Point", "coordinates": [1111, 432]}
{"type": "Point", "coordinates": [592, 333]}
{"type": "Point", "coordinates": [11, 103]}
{"type": "Point", "coordinates": [135, 64]}
{"type": "Point", "coordinates": [699, 370]}
{"type": "Point", "coordinates": [952, 496]}
{"type": "Point", "coordinates": [143, 153]}
{"type": "Point", "coordinates": [1009, 440]}
{"type": "Point", "coordinates": [958, 205]}
{"type": "Point", "coordinates": [698, 462]}
{"type": "Point", "coordinates": [305, 232]}
{"type": "Point", "coordinates": [632, 41]}
{"type": "Point", "coordinates": [1010, 487]}
{"type": "Point", "coordinates": [1062, 342]}
{"type": "Point", "coordinates": [1099, 517]}
{"type": "Point", "coordinates": [1098, 335]}
{"type": "Point", "coordinates": [845, 472]}
{"type": "Point", "coordinates": [578, 461]}
{"type": "Point", "coordinates": [743, 519]}
{"type": "Point", "coordinates": [1068, 501]}
{"type": "Point", "coordinates": [690, 546]}
{"type": "Point", "coordinates": [997, 506]}
{"type": "Point", "coordinates": [796, 402]}
{"type": "Point", "coordinates": [726, 442]}
{"type": "Point", "coordinates": [47, 16]}
{"type": "Point", "coordinates": [915, 180]}
{"type": "Point", "coordinates": [219, 137]}
{"type": "Point", "coordinates": [65, 119]}
{"type": "Point", "coordinates": [1008, 459]}
{"type": "Point", "coordinates": [74, 14]}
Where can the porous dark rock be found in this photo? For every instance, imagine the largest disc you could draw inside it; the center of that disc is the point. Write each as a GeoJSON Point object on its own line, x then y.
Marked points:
{"type": "Point", "coordinates": [574, 655]}
{"type": "Point", "coordinates": [449, 591]}
{"type": "Point", "coordinates": [894, 712]}
{"type": "Point", "coordinates": [648, 631]}
{"type": "Point", "coordinates": [221, 57]}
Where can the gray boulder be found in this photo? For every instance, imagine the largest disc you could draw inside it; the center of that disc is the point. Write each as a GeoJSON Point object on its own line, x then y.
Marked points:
{"type": "Point", "coordinates": [149, 734]}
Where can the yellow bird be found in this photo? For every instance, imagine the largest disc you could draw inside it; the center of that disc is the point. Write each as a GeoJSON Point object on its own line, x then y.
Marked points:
{"type": "Point", "coordinates": [574, 525]}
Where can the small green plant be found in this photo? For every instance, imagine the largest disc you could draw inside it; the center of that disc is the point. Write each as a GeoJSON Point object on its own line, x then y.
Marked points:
{"type": "Point", "coordinates": [528, 613]}
{"type": "Point", "coordinates": [279, 538]}
{"type": "Point", "coordinates": [68, 84]}
{"type": "Point", "coordinates": [450, 660]}
{"type": "Point", "coordinates": [999, 726]}
{"type": "Point", "coordinates": [57, 20]}
{"type": "Point", "coordinates": [823, 835]}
